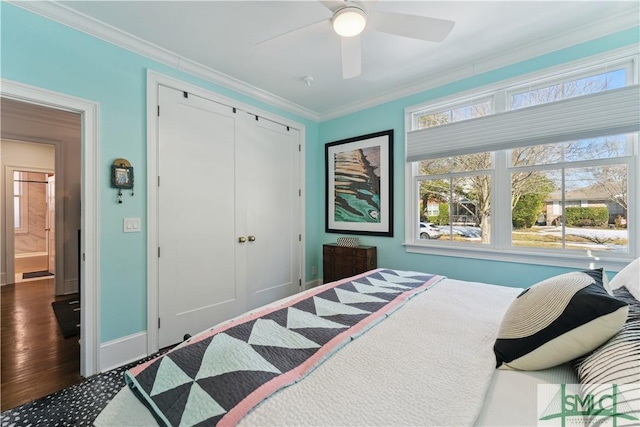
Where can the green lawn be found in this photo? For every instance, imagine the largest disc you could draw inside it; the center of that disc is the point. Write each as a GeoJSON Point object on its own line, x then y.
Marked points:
{"type": "Point", "coordinates": [534, 238]}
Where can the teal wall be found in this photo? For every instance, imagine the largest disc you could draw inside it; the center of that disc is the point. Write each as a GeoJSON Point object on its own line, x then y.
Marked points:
{"type": "Point", "coordinates": [42, 53]}
{"type": "Point", "coordinates": [390, 115]}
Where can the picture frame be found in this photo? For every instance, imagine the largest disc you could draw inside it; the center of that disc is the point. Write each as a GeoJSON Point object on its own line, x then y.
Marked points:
{"type": "Point", "coordinates": [121, 176]}
{"type": "Point", "coordinates": [359, 185]}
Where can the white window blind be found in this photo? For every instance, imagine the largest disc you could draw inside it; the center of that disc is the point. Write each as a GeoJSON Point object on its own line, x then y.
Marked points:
{"type": "Point", "coordinates": [606, 113]}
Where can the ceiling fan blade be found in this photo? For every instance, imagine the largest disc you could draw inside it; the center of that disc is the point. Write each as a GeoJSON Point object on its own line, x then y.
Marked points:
{"type": "Point", "coordinates": [316, 25]}
{"type": "Point", "coordinates": [351, 57]}
{"type": "Point", "coordinates": [333, 5]}
{"type": "Point", "coordinates": [412, 26]}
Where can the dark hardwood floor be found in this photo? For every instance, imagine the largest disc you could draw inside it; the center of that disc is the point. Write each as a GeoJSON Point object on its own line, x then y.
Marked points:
{"type": "Point", "coordinates": [36, 359]}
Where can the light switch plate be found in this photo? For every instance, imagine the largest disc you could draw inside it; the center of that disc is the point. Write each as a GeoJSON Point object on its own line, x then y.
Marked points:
{"type": "Point", "coordinates": [131, 225]}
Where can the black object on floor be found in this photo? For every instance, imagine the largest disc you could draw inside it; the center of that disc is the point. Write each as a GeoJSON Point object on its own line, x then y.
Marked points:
{"type": "Point", "coordinates": [78, 405]}
{"type": "Point", "coordinates": [68, 317]}
{"type": "Point", "coordinates": [34, 274]}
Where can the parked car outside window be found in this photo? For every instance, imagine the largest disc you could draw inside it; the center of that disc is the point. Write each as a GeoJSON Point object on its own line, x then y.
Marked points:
{"type": "Point", "coordinates": [429, 231]}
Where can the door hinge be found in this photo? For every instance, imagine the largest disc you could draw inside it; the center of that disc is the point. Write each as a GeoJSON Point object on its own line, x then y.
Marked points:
{"type": "Point", "coordinates": [84, 258]}
{"type": "Point", "coordinates": [300, 282]}
{"type": "Point", "coordinates": [158, 323]}
{"type": "Point", "coordinates": [299, 237]}
{"type": "Point", "coordinates": [158, 180]}
{"type": "Point", "coordinates": [158, 111]}
{"type": "Point", "coordinates": [185, 94]}
{"type": "Point", "coordinates": [299, 147]}
{"type": "Point", "coordinates": [299, 192]}
{"type": "Point", "coordinates": [158, 251]}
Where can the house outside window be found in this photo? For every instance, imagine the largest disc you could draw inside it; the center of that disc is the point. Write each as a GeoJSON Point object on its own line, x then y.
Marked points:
{"type": "Point", "coordinates": [534, 202]}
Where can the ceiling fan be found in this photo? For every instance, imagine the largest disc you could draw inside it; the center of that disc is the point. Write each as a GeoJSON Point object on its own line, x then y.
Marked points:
{"type": "Point", "coordinates": [351, 18]}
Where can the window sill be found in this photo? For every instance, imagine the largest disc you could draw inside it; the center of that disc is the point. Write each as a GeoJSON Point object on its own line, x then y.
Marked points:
{"type": "Point", "coordinates": [555, 259]}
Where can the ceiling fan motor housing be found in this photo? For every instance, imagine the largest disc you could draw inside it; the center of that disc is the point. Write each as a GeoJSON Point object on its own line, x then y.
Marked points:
{"type": "Point", "coordinates": [349, 21]}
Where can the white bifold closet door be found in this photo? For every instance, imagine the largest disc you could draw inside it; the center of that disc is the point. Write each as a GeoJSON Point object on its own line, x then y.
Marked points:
{"type": "Point", "coordinates": [228, 213]}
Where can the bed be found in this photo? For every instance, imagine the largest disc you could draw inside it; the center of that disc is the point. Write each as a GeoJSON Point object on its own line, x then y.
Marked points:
{"type": "Point", "coordinates": [427, 358]}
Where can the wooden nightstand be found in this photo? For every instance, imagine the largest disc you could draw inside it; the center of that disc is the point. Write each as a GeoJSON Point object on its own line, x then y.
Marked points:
{"type": "Point", "coordinates": [339, 262]}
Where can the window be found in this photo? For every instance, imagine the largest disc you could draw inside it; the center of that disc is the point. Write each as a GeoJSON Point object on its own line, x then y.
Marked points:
{"type": "Point", "coordinates": [477, 108]}
{"type": "Point", "coordinates": [433, 208]}
{"type": "Point", "coordinates": [20, 203]}
{"type": "Point", "coordinates": [461, 188]}
{"type": "Point", "coordinates": [499, 185]}
{"type": "Point", "coordinates": [565, 89]}
{"type": "Point", "coordinates": [572, 196]}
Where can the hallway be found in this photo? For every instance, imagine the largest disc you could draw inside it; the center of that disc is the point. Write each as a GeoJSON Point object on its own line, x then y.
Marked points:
{"type": "Point", "coordinates": [36, 359]}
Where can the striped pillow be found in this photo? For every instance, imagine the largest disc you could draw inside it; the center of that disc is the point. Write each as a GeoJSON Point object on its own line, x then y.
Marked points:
{"type": "Point", "coordinates": [618, 360]}
{"type": "Point", "coordinates": [558, 320]}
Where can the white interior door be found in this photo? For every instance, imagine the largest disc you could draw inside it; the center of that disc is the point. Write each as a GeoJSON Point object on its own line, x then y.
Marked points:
{"type": "Point", "coordinates": [196, 216]}
{"type": "Point", "coordinates": [51, 223]}
{"type": "Point", "coordinates": [269, 192]}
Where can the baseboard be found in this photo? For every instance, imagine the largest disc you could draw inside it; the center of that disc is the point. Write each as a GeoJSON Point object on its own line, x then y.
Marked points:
{"type": "Point", "coordinates": [123, 350]}
{"type": "Point", "coordinates": [312, 284]}
{"type": "Point", "coordinates": [3, 278]}
{"type": "Point", "coordinates": [70, 286]}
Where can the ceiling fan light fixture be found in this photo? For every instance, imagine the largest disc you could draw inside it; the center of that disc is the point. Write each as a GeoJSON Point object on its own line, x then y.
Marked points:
{"type": "Point", "coordinates": [349, 21]}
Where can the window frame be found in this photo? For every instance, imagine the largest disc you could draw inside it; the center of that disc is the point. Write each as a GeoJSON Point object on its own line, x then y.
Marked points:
{"type": "Point", "coordinates": [500, 247]}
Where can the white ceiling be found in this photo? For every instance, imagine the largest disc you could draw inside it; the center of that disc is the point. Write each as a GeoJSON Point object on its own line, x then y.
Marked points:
{"type": "Point", "coordinates": [223, 36]}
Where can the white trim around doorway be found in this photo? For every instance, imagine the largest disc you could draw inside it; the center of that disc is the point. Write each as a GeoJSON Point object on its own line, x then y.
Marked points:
{"type": "Point", "coordinates": [90, 241]}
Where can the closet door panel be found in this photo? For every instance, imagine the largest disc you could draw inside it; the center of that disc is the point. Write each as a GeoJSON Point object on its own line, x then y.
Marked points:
{"type": "Point", "coordinates": [270, 183]}
{"type": "Point", "coordinates": [196, 216]}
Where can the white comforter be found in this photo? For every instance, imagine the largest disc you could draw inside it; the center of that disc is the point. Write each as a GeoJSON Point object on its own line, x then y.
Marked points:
{"type": "Point", "coordinates": [429, 363]}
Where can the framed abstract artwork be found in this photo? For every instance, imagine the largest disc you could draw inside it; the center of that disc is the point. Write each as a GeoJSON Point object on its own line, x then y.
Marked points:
{"type": "Point", "coordinates": [359, 185]}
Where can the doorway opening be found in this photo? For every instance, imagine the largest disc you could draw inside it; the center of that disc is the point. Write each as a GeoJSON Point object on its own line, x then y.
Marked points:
{"type": "Point", "coordinates": [34, 225]}
{"type": "Point", "coordinates": [41, 217]}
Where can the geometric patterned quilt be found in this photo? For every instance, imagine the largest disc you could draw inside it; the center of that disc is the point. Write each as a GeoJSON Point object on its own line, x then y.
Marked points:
{"type": "Point", "coordinates": [220, 375]}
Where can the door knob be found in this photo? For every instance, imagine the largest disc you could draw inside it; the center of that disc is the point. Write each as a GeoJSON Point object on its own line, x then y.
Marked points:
{"type": "Point", "coordinates": [252, 238]}
{"type": "Point", "coordinates": [242, 239]}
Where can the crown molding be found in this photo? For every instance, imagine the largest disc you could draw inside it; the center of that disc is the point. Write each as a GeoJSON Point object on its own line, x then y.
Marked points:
{"type": "Point", "coordinates": [583, 34]}
{"type": "Point", "coordinates": [110, 34]}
